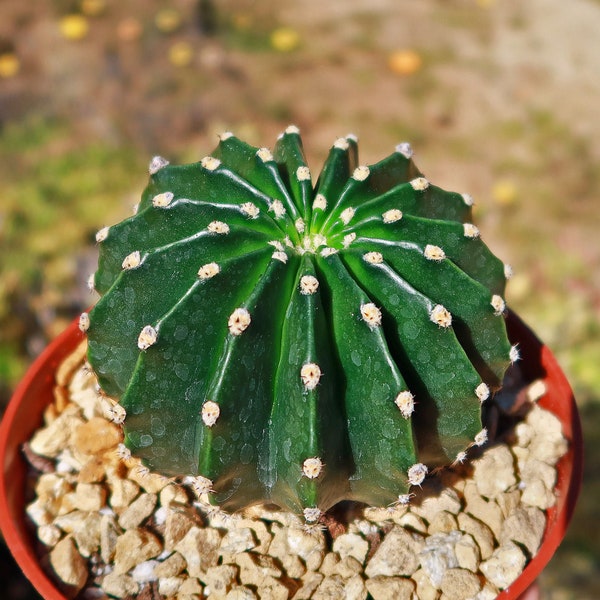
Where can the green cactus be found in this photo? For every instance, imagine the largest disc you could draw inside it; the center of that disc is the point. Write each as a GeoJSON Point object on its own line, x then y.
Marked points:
{"type": "Point", "coordinates": [298, 344]}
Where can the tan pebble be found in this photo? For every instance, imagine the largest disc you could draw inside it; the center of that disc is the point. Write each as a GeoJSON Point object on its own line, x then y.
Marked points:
{"type": "Point", "coordinates": [380, 514]}
{"type": "Point", "coordinates": [535, 493]}
{"type": "Point", "coordinates": [508, 501]}
{"type": "Point", "coordinates": [50, 440]}
{"type": "Point", "coordinates": [51, 489]}
{"type": "Point", "coordinates": [504, 566]}
{"type": "Point", "coordinates": [537, 470]}
{"type": "Point", "coordinates": [92, 404]}
{"type": "Point", "coordinates": [71, 521]}
{"type": "Point", "coordinates": [487, 512]}
{"type": "Point", "coordinates": [138, 511]}
{"type": "Point", "coordinates": [261, 533]}
{"type": "Point", "coordinates": [219, 580]}
{"type": "Point", "coordinates": [548, 443]}
{"type": "Point", "coordinates": [50, 414]}
{"type": "Point", "coordinates": [152, 483]}
{"type": "Point", "coordinates": [119, 585]}
{"type": "Point", "coordinates": [397, 555]}
{"type": "Point", "coordinates": [70, 364]}
{"type": "Point", "coordinates": [544, 422]}
{"type": "Point", "coordinates": [237, 540]}
{"type": "Point", "coordinates": [123, 492]}
{"type": "Point", "coordinates": [70, 461]}
{"type": "Point", "coordinates": [49, 534]}
{"type": "Point", "coordinates": [170, 567]}
{"type": "Point", "coordinates": [109, 533]}
{"type": "Point", "coordinates": [181, 596]}
{"type": "Point", "coordinates": [180, 519]}
{"type": "Point", "coordinates": [467, 553]}
{"type": "Point", "coordinates": [411, 521]}
{"type": "Point", "coordinates": [68, 564]}
{"type": "Point", "coordinates": [386, 588]}
{"type": "Point", "coordinates": [92, 471]}
{"type": "Point", "coordinates": [488, 592]}
{"type": "Point", "coordinates": [447, 500]}
{"type": "Point", "coordinates": [330, 588]}
{"type": "Point", "coordinates": [67, 504]}
{"type": "Point", "coordinates": [363, 527]}
{"type": "Point", "coordinates": [240, 592]}
{"type": "Point", "coordinates": [310, 582]}
{"type": "Point", "coordinates": [278, 516]}
{"type": "Point", "coordinates": [173, 493]}
{"type": "Point", "coordinates": [273, 589]}
{"type": "Point", "coordinates": [83, 380]}
{"type": "Point", "coordinates": [97, 435]}
{"type": "Point", "coordinates": [494, 471]}
{"type": "Point", "coordinates": [536, 390]}
{"type": "Point", "coordinates": [480, 532]}
{"type": "Point", "coordinates": [524, 433]}
{"type": "Point", "coordinates": [51, 486]}
{"type": "Point", "coordinates": [351, 544]}
{"type": "Point", "coordinates": [442, 522]}
{"type": "Point", "coordinates": [89, 496]}
{"type": "Point", "coordinates": [355, 588]}
{"type": "Point", "coordinates": [191, 586]}
{"type": "Point", "coordinates": [310, 547]}
{"type": "Point", "coordinates": [134, 547]}
{"type": "Point", "coordinates": [200, 548]}
{"type": "Point", "coordinates": [522, 455]}
{"type": "Point", "coordinates": [347, 567]}
{"type": "Point", "coordinates": [61, 398]}
{"type": "Point", "coordinates": [329, 564]}
{"type": "Point", "coordinates": [460, 584]}
{"type": "Point", "coordinates": [548, 450]}
{"type": "Point", "coordinates": [525, 526]}
{"type": "Point", "coordinates": [425, 590]}
{"type": "Point", "coordinates": [87, 534]}
{"type": "Point", "coordinates": [38, 512]}
{"type": "Point", "coordinates": [293, 566]}
{"type": "Point", "coordinates": [116, 470]}
{"type": "Point", "coordinates": [169, 586]}
{"type": "Point", "coordinates": [254, 567]}
{"type": "Point", "coordinates": [438, 555]}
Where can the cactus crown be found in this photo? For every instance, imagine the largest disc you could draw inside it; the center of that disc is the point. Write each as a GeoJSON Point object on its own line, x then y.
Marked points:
{"type": "Point", "coordinates": [293, 342]}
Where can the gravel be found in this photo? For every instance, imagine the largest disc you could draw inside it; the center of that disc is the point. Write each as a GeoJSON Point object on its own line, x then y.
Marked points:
{"type": "Point", "coordinates": [114, 529]}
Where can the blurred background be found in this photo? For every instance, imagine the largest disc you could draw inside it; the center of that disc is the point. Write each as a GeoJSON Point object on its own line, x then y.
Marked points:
{"type": "Point", "coordinates": [499, 98]}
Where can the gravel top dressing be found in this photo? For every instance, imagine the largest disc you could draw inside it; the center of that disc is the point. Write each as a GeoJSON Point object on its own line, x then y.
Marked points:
{"type": "Point", "coordinates": [109, 527]}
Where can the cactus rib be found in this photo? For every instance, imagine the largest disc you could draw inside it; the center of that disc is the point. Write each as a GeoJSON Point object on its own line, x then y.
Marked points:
{"type": "Point", "coordinates": [298, 344]}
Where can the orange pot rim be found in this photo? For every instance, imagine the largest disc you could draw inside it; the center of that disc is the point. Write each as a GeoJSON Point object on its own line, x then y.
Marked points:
{"type": "Point", "coordinates": [34, 392]}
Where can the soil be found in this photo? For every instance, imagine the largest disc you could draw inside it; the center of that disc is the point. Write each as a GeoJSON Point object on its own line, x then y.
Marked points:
{"type": "Point", "coordinates": [507, 86]}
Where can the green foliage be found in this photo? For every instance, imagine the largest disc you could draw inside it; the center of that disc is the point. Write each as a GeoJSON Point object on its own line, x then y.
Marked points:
{"type": "Point", "coordinates": [54, 194]}
{"type": "Point", "coordinates": [294, 343]}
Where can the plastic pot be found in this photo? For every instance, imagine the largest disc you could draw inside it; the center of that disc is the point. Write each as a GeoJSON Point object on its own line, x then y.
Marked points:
{"type": "Point", "coordinates": [34, 393]}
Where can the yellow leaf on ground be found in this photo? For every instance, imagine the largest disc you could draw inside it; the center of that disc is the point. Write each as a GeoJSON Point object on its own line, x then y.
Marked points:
{"type": "Point", "coordinates": [504, 193]}
{"type": "Point", "coordinates": [9, 65]}
{"type": "Point", "coordinates": [181, 54]}
{"type": "Point", "coordinates": [74, 27]}
{"type": "Point", "coordinates": [167, 20]}
{"type": "Point", "coordinates": [285, 39]}
{"type": "Point", "coordinates": [405, 62]}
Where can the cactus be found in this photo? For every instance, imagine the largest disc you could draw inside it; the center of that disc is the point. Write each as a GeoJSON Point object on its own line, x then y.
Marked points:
{"type": "Point", "coordinates": [298, 344]}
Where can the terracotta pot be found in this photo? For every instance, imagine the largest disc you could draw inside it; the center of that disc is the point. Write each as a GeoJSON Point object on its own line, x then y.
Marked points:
{"type": "Point", "coordinates": [34, 393]}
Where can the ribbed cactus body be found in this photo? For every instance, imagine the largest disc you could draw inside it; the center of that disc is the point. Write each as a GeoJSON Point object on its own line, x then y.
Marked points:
{"type": "Point", "coordinates": [293, 342]}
